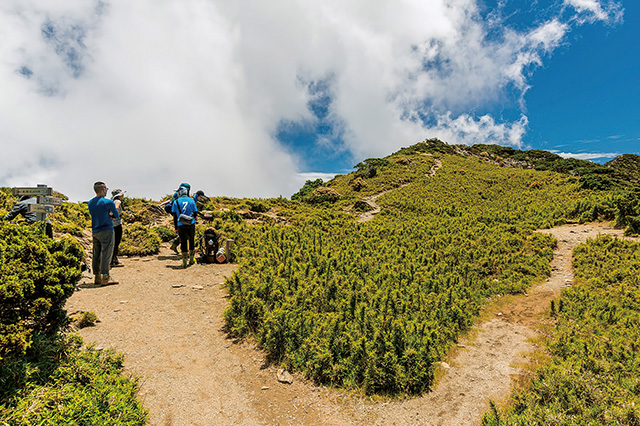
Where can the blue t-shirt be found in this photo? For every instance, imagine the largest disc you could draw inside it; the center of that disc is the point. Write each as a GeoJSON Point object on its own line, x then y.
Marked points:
{"type": "Point", "coordinates": [186, 206]}
{"type": "Point", "coordinates": [99, 208]}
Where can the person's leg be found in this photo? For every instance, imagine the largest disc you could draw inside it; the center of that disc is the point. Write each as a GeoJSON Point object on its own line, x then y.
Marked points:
{"type": "Point", "coordinates": [192, 247]}
{"type": "Point", "coordinates": [183, 234]}
{"type": "Point", "coordinates": [48, 230]}
{"type": "Point", "coordinates": [95, 261]}
{"type": "Point", "coordinates": [117, 232]}
{"type": "Point", "coordinates": [176, 241]}
{"type": "Point", "coordinates": [106, 241]}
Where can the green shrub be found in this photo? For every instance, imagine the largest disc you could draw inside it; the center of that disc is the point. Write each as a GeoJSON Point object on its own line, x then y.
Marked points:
{"type": "Point", "coordinates": [87, 319]}
{"type": "Point", "coordinates": [165, 234]}
{"type": "Point", "coordinates": [71, 218]}
{"type": "Point", "coordinates": [37, 275]}
{"type": "Point", "coordinates": [323, 195]}
{"type": "Point", "coordinates": [257, 206]}
{"type": "Point", "coordinates": [357, 184]}
{"type": "Point", "coordinates": [64, 384]}
{"type": "Point", "coordinates": [306, 190]}
{"type": "Point", "coordinates": [362, 206]}
{"type": "Point", "coordinates": [45, 378]}
{"type": "Point", "coordinates": [141, 211]}
{"type": "Point", "coordinates": [6, 200]}
{"type": "Point", "coordinates": [628, 212]}
{"type": "Point", "coordinates": [139, 240]}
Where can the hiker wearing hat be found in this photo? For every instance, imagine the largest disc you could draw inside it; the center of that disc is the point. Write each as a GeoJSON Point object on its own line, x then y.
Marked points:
{"type": "Point", "coordinates": [176, 241]}
{"type": "Point", "coordinates": [102, 210]}
{"type": "Point", "coordinates": [116, 196]}
{"type": "Point", "coordinates": [185, 209]}
{"type": "Point", "coordinates": [201, 201]}
{"type": "Point", "coordinates": [200, 198]}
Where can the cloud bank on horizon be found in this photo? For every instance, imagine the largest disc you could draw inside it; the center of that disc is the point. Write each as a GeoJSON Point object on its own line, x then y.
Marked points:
{"type": "Point", "coordinates": [146, 94]}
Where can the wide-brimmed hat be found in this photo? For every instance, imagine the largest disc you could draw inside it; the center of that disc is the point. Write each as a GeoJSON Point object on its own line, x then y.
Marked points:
{"type": "Point", "coordinates": [199, 197]}
{"type": "Point", "coordinates": [117, 193]}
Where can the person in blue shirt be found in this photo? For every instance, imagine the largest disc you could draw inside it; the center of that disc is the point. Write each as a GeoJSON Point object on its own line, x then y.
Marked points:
{"type": "Point", "coordinates": [168, 206]}
{"type": "Point", "coordinates": [102, 210]}
{"type": "Point", "coordinates": [185, 210]}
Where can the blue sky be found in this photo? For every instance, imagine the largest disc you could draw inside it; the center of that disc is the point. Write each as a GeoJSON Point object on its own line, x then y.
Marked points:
{"type": "Point", "coordinates": [246, 98]}
{"type": "Point", "coordinates": [586, 99]}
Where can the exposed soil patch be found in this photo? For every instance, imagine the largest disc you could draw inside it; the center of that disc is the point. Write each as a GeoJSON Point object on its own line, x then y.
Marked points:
{"type": "Point", "coordinates": [168, 322]}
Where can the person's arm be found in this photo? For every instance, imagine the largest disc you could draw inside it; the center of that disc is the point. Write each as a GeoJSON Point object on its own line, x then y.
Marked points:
{"type": "Point", "coordinates": [117, 203]}
{"type": "Point", "coordinates": [18, 208]}
{"type": "Point", "coordinates": [113, 209]}
{"type": "Point", "coordinates": [195, 210]}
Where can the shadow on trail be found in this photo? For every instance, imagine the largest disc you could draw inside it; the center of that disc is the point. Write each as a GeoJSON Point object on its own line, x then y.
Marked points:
{"type": "Point", "coordinates": [172, 257]}
{"type": "Point", "coordinates": [175, 266]}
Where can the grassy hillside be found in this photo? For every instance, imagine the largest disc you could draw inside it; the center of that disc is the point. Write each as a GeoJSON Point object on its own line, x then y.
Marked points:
{"type": "Point", "coordinates": [374, 305]}
{"type": "Point", "coordinates": [628, 164]}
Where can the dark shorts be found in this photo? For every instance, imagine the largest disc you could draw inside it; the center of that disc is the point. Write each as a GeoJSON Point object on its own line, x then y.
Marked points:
{"type": "Point", "coordinates": [187, 234]}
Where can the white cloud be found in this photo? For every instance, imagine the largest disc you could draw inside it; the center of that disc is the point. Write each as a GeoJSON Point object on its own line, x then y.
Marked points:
{"type": "Point", "coordinates": [161, 101]}
{"type": "Point", "coordinates": [303, 177]}
{"type": "Point", "coordinates": [145, 94]}
{"type": "Point", "coordinates": [467, 130]}
{"type": "Point", "coordinates": [586, 155]}
{"type": "Point", "coordinates": [610, 12]}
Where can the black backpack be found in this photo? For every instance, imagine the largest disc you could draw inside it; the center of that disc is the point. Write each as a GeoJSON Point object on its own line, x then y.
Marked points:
{"type": "Point", "coordinates": [210, 244]}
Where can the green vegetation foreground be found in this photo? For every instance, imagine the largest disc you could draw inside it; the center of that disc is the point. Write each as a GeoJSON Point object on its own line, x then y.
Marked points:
{"type": "Point", "coordinates": [45, 376]}
{"type": "Point", "coordinates": [373, 306]}
{"type": "Point", "coordinates": [593, 375]}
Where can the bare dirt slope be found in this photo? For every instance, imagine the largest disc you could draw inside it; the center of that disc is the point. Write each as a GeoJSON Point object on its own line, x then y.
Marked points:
{"type": "Point", "coordinates": [168, 322]}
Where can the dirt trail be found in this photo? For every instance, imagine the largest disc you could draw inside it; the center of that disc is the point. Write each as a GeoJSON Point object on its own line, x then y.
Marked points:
{"type": "Point", "coordinates": [168, 322]}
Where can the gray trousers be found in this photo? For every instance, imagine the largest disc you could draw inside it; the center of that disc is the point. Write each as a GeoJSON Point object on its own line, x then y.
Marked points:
{"type": "Point", "coordinates": [102, 251]}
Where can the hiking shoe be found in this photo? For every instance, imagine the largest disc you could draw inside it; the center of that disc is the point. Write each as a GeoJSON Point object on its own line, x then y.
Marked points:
{"type": "Point", "coordinates": [97, 280]}
{"type": "Point", "coordinates": [117, 265]}
{"type": "Point", "coordinates": [108, 280]}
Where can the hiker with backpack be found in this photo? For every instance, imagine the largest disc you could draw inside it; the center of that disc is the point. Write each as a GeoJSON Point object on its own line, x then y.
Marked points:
{"type": "Point", "coordinates": [185, 210]}
{"type": "Point", "coordinates": [168, 207]}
